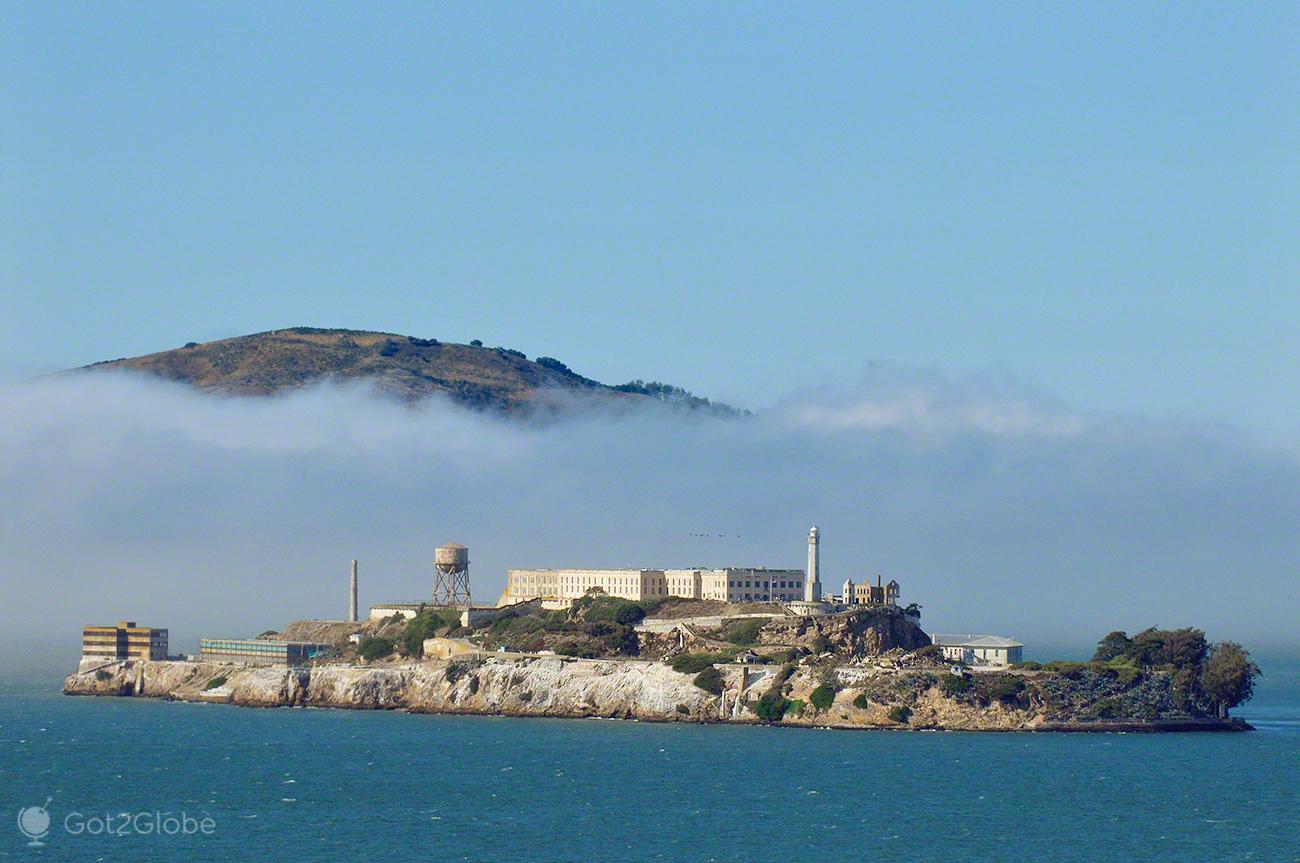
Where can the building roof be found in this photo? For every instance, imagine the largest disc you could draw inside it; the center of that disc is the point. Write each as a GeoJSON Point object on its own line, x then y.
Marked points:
{"type": "Point", "coordinates": [974, 641]}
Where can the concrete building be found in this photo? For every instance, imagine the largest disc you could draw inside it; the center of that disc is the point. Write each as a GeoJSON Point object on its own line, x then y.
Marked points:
{"type": "Point", "coordinates": [991, 650]}
{"type": "Point", "coordinates": [123, 641]}
{"type": "Point", "coordinates": [731, 584]}
{"type": "Point", "coordinates": [258, 651]}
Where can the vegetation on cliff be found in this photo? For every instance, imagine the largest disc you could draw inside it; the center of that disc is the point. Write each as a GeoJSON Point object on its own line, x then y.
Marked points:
{"type": "Point", "coordinates": [595, 626]}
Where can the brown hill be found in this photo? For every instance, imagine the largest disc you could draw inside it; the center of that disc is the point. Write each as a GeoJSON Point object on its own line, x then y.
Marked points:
{"type": "Point", "coordinates": [407, 367]}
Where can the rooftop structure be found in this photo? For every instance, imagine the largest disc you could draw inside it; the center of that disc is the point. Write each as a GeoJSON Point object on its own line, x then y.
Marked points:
{"type": "Point", "coordinates": [125, 640]}
{"type": "Point", "coordinates": [980, 649]}
{"type": "Point", "coordinates": [451, 576]}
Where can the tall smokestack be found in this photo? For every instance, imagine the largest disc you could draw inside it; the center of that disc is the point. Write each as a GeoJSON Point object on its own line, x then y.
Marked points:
{"type": "Point", "coordinates": [352, 595]}
{"type": "Point", "coordinates": [812, 591]}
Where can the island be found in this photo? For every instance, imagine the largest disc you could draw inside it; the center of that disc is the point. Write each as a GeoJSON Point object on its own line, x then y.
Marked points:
{"type": "Point", "coordinates": [690, 660]}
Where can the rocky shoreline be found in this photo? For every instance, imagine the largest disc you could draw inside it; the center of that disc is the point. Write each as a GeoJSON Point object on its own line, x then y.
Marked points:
{"type": "Point", "coordinates": [561, 687]}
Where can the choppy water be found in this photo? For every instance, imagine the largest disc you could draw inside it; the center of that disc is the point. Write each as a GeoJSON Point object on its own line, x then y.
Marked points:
{"type": "Point", "coordinates": [335, 785]}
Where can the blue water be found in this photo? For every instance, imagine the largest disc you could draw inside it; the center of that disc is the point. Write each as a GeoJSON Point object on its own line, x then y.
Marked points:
{"type": "Point", "coordinates": [323, 785]}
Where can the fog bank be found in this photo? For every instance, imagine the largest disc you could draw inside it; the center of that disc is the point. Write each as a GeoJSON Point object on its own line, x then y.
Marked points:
{"type": "Point", "coordinates": [997, 508]}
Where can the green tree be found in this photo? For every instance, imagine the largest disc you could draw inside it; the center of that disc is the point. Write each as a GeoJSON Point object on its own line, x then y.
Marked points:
{"type": "Point", "coordinates": [1229, 675]}
{"type": "Point", "coordinates": [1185, 648]}
{"type": "Point", "coordinates": [822, 697]}
{"type": "Point", "coordinates": [772, 706]}
{"type": "Point", "coordinates": [374, 648]}
{"type": "Point", "coordinates": [1115, 644]}
{"type": "Point", "coordinates": [710, 680]}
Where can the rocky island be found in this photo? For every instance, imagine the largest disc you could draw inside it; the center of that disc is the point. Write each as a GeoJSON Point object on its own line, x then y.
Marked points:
{"type": "Point", "coordinates": [672, 661]}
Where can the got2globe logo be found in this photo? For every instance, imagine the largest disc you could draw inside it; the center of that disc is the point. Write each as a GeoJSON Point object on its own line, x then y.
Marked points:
{"type": "Point", "coordinates": [34, 823]}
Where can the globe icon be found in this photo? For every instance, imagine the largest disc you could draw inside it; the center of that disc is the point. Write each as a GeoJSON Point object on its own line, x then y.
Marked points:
{"type": "Point", "coordinates": [34, 822]}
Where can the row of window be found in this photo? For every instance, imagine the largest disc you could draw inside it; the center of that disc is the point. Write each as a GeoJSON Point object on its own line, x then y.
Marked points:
{"type": "Point", "coordinates": [775, 585]}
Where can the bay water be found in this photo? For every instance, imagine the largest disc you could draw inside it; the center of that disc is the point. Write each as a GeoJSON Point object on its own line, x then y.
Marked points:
{"type": "Point", "coordinates": [150, 780]}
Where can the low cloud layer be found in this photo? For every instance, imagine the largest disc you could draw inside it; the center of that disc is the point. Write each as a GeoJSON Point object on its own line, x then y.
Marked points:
{"type": "Point", "coordinates": [997, 509]}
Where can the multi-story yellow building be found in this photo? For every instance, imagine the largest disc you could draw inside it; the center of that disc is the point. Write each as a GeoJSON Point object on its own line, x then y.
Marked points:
{"type": "Point", "coordinates": [733, 584]}
{"type": "Point", "coordinates": [123, 641]}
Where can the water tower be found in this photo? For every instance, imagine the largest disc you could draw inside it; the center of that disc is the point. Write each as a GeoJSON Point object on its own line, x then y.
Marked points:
{"type": "Point", "coordinates": [451, 575]}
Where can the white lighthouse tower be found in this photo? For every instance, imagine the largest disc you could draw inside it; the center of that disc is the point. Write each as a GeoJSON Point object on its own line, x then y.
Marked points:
{"type": "Point", "coordinates": [812, 590]}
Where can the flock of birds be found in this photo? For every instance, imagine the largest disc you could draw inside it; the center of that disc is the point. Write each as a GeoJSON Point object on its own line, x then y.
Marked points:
{"type": "Point", "coordinates": [718, 535]}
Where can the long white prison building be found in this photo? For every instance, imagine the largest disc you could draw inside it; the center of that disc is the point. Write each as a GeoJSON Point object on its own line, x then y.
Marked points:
{"type": "Point", "coordinates": [732, 584]}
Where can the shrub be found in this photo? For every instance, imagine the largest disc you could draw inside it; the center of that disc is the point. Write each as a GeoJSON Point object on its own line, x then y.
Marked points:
{"type": "Point", "coordinates": [710, 680]}
{"type": "Point", "coordinates": [374, 647]}
{"type": "Point", "coordinates": [1126, 674]}
{"type": "Point", "coordinates": [683, 710]}
{"type": "Point", "coordinates": [929, 651]}
{"type": "Point", "coordinates": [579, 651]}
{"type": "Point", "coordinates": [743, 632]}
{"type": "Point", "coordinates": [424, 625]}
{"type": "Point", "coordinates": [795, 707]}
{"type": "Point", "coordinates": [1027, 666]}
{"type": "Point", "coordinates": [476, 343]}
{"type": "Point", "coordinates": [772, 706]}
{"type": "Point", "coordinates": [389, 348]}
{"type": "Point", "coordinates": [900, 713]}
{"type": "Point", "coordinates": [422, 343]}
{"type": "Point", "coordinates": [191, 344]}
{"type": "Point", "coordinates": [630, 614]}
{"type": "Point", "coordinates": [953, 684]}
{"type": "Point", "coordinates": [822, 697]}
{"type": "Point", "coordinates": [819, 645]}
{"type": "Point", "coordinates": [1069, 669]}
{"type": "Point", "coordinates": [861, 701]}
{"type": "Point", "coordinates": [101, 675]}
{"type": "Point", "coordinates": [554, 365]}
{"type": "Point", "coordinates": [214, 683]}
{"type": "Point", "coordinates": [693, 663]}
{"type": "Point", "coordinates": [784, 656]}
{"type": "Point", "coordinates": [1005, 687]}
{"type": "Point", "coordinates": [512, 353]}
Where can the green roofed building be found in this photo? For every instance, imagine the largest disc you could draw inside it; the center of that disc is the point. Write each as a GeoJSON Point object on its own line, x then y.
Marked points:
{"type": "Point", "coordinates": [258, 651]}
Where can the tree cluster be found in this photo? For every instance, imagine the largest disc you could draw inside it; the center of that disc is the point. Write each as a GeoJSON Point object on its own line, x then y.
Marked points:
{"type": "Point", "coordinates": [1222, 671]}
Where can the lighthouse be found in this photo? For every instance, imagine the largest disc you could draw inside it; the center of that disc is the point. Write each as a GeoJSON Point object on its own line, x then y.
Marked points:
{"type": "Point", "coordinates": [812, 590]}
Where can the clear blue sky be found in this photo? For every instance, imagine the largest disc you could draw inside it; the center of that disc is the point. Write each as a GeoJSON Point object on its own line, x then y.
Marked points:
{"type": "Point", "coordinates": [1100, 199]}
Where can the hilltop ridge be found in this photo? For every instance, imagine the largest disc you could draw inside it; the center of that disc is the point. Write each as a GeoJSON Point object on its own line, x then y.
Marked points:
{"type": "Point", "coordinates": [406, 367]}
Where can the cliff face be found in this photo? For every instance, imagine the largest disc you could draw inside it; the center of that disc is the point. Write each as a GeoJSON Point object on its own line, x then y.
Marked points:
{"type": "Point", "coordinates": [532, 686]}
{"type": "Point", "coordinates": [864, 633]}
{"type": "Point", "coordinates": [550, 686]}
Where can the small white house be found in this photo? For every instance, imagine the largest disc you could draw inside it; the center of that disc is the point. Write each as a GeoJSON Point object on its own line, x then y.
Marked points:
{"type": "Point", "coordinates": [980, 649]}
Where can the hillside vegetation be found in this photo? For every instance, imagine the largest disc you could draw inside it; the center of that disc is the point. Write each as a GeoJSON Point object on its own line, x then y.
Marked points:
{"type": "Point", "coordinates": [407, 367]}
